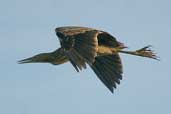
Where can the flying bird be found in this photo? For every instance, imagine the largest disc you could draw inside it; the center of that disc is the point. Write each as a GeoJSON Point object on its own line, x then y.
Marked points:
{"type": "Point", "coordinates": [83, 46]}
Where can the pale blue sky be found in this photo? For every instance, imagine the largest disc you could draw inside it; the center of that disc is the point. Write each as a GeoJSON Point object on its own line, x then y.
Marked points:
{"type": "Point", "coordinates": [27, 28]}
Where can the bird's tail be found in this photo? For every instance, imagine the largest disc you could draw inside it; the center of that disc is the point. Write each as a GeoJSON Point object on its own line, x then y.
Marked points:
{"type": "Point", "coordinates": [143, 52]}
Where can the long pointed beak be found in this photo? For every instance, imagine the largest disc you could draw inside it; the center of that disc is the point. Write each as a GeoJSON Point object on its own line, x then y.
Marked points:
{"type": "Point", "coordinates": [28, 60]}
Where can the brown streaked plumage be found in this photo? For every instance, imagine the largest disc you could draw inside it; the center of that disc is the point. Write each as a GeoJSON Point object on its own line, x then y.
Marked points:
{"type": "Point", "coordinates": [98, 49]}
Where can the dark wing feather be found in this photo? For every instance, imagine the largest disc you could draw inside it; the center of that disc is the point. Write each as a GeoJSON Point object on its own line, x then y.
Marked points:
{"type": "Point", "coordinates": [108, 69]}
{"type": "Point", "coordinates": [86, 45]}
{"type": "Point", "coordinates": [76, 60]}
{"type": "Point", "coordinates": [80, 45]}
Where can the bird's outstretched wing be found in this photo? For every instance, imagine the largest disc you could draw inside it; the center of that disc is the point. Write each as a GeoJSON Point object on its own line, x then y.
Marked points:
{"type": "Point", "coordinates": [80, 45]}
{"type": "Point", "coordinates": [108, 69]}
{"type": "Point", "coordinates": [86, 45]}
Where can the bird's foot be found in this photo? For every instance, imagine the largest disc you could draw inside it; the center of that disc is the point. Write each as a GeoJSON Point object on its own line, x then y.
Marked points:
{"type": "Point", "coordinates": [147, 52]}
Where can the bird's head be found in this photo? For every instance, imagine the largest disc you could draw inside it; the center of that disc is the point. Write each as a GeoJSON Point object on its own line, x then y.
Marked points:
{"type": "Point", "coordinates": [40, 58]}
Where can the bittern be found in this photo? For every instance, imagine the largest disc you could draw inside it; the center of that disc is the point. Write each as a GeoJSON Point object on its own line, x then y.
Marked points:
{"type": "Point", "coordinates": [83, 46]}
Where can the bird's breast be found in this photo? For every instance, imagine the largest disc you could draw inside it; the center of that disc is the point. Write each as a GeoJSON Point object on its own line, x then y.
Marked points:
{"type": "Point", "coordinates": [104, 50]}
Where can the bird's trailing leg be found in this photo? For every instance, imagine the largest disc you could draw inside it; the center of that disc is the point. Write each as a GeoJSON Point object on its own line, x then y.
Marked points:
{"type": "Point", "coordinates": [143, 52]}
